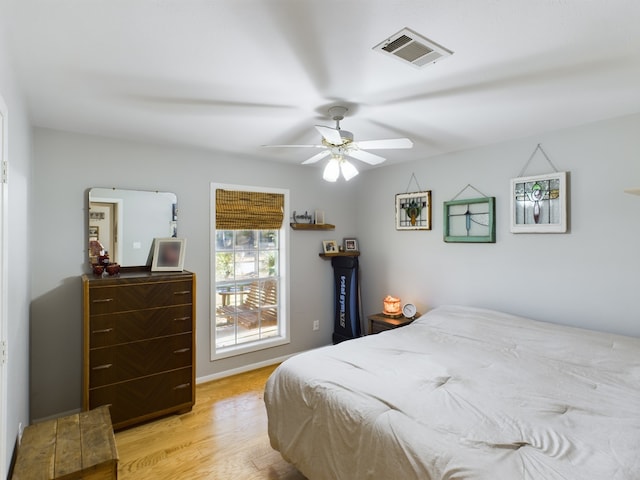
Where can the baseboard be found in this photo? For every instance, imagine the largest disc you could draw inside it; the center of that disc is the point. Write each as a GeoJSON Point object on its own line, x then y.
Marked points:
{"type": "Point", "coordinates": [244, 368]}
{"type": "Point", "coordinates": [57, 415]}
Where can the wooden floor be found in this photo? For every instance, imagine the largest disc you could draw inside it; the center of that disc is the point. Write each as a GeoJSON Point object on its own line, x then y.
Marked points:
{"type": "Point", "coordinates": [224, 437]}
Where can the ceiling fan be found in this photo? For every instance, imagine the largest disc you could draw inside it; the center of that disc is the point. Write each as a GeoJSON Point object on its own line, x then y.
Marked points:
{"type": "Point", "coordinates": [339, 144]}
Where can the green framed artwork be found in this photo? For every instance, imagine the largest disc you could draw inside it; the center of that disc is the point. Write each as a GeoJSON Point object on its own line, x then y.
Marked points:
{"type": "Point", "coordinates": [472, 220]}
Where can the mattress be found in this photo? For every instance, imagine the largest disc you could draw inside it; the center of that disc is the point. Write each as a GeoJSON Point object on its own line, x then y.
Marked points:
{"type": "Point", "coordinates": [459, 394]}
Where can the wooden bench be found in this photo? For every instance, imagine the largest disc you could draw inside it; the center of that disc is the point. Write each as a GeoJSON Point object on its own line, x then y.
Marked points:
{"type": "Point", "coordinates": [77, 447]}
{"type": "Point", "coordinates": [260, 306]}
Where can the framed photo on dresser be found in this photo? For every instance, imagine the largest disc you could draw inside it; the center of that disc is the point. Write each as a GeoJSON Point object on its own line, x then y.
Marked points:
{"type": "Point", "coordinates": [168, 254]}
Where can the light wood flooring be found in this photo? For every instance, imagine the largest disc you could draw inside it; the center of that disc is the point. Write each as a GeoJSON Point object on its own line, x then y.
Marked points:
{"type": "Point", "coordinates": [224, 437]}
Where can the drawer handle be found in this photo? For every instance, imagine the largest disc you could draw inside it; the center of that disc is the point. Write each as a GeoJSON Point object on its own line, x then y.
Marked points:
{"type": "Point", "coordinates": [182, 386]}
{"type": "Point", "coordinates": [102, 367]}
{"type": "Point", "coordinates": [103, 300]}
{"type": "Point", "coordinates": [182, 350]}
{"type": "Point", "coordinates": [182, 292]}
{"type": "Point", "coordinates": [181, 319]}
{"type": "Point", "coordinates": [104, 330]}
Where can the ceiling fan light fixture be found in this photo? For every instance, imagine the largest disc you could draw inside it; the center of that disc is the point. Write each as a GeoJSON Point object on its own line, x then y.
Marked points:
{"type": "Point", "coordinates": [332, 170]}
{"type": "Point", "coordinates": [348, 170]}
{"type": "Point", "coordinates": [339, 144]}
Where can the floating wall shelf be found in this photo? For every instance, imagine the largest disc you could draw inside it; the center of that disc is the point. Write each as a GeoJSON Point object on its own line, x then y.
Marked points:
{"type": "Point", "coordinates": [312, 226]}
{"type": "Point", "coordinates": [339, 254]}
{"type": "Point", "coordinates": [633, 191]}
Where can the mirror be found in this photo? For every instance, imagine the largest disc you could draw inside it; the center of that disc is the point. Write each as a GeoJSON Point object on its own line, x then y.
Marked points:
{"type": "Point", "coordinates": [125, 222]}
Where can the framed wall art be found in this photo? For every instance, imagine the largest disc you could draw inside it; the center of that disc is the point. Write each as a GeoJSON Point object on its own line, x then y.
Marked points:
{"type": "Point", "coordinates": [413, 211]}
{"type": "Point", "coordinates": [168, 254]}
{"type": "Point", "coordinates": [539, 203]}
{"type": "Point", "coordinates": [472, 220]}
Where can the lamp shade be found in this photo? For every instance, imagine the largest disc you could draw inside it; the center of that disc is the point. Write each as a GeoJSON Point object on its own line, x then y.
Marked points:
{"type": "Point", "coordinates": [331, 171]}
{"type": "Point", "coordinates": [391, 305]}
{"type": "Point", "coordinates": [348, 170]}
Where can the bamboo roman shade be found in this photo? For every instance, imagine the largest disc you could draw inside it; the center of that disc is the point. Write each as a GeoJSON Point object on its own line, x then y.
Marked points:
{"type": "Point", "coordinates": [238, 210]}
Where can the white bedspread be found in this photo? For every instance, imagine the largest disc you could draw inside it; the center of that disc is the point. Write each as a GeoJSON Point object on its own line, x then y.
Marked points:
{"type": "Point", "coordinates": [462, 393]}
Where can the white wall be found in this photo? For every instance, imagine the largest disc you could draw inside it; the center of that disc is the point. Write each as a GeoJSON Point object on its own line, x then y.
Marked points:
{"type": "Point", "coordinates": [588, 277]}
{"type": "Point", "coordinates": [67, 165]}
{"type": "Point", "coordinates": [19, 156]}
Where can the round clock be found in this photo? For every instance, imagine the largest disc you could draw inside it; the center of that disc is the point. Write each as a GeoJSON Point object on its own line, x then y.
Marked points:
{"type": "Point", "coordinates": [409, 310]}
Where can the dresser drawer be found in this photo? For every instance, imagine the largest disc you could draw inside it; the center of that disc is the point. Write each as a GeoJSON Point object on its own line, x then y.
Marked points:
{"type": "Point", "coordinates": [380, 327]}
{"type": "Point", "coordinates": [145, 396]}
{"type": "Point", "coordinates": [123, 298]}
{"type": "Point", "coordinates": [116, 328]}
{"type": "Point", "coordinates": [127, 361]}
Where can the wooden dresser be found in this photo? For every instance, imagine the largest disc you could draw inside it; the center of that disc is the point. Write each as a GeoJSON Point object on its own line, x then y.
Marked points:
{"type": "Point", "coordinates": [139, 344]}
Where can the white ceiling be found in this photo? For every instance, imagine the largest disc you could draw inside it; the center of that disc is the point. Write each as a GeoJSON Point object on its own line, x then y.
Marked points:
{"type": "Point", "coordinates": [234, 75]}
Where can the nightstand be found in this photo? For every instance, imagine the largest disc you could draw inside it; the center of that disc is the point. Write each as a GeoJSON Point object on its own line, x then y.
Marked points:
{"type": "Point", "coordinates": [379, 322]}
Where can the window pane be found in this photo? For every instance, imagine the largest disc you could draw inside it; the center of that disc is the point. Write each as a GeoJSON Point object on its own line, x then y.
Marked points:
{"type": "Point", "coordinates": [224, 240]}
{"type": "Point", "coordinates": [245, 239]}
{"type": "Point", "coordinates": [268, 239]}
{"type": "Point", "coordinates": [224, 266]}
{"type": "Point", "coordinates": [246, 267]}
{"type": "Point", "coordinates": [269, 263]}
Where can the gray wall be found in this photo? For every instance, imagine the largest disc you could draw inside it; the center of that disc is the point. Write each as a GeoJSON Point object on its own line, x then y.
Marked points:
{"type": "Point", "coordinates": [588, 277]}
{"type": "Point", "coordinates": [19, 144]}
{"type": "Point", "coordinates": [67, 165]}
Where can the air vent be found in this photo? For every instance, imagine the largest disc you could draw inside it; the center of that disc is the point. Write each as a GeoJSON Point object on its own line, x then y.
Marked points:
{"type": "Point", "coordinates": [408, 46]}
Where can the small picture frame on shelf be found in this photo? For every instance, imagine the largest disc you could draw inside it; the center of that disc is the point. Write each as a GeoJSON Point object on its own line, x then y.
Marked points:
{"type": "Point", "coordinates": [350, 245]}
{"type": "Point", "coordinates": [329, 246]}
{"type": "Point", "coordinates": [319, 217]}
{"type": "Point", "coordinates": [168, 254]}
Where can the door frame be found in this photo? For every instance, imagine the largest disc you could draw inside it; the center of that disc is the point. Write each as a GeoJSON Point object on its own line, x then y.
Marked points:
{"type": "Point", "coordinates": [116, 223]}
{"type": "Point", "coordinates": [3, 284]}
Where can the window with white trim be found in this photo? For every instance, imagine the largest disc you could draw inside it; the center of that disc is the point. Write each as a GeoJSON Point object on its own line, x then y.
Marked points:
{"type": "Point", "coordinates": [249, 287]}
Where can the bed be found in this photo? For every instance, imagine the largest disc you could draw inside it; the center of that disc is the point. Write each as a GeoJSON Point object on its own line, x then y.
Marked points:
{"type": "Point", "coordinates": [461, 394]}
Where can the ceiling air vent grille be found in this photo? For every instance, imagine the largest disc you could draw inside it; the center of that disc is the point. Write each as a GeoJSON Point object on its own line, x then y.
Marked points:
{"type": "Point", "coordinates": [408, 46]}
{"type": "Point", "coordinates": [401, 41]}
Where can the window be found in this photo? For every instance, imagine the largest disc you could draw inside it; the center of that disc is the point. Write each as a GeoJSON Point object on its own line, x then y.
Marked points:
{"type": "Point", "coordinates": [249, 293]}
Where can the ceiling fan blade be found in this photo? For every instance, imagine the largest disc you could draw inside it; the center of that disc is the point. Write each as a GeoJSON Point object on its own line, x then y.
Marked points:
{"type": "Point", "coordinates": [317, 157]}
{"type": "Point", "coordinates": [366, 157]}
{"type": "Point", "coordinates": [201, 102]}
{"type": "Point", "coordinates": [331, 135]}
{"type": "Point", "coordinates": [293, 146]}
{"type": "Point", "coordinates": [382, 144]}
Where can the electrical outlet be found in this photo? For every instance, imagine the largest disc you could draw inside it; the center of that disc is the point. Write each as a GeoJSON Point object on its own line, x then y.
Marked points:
{"type": "Point", "coordinates": [316, 325]}
{"type": "Point", "coordinates": [20, 431]}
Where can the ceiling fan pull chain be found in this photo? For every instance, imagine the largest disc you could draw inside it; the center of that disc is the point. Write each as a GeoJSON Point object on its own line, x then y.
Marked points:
{"type": "Point", "coordinates": [413, 177]}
